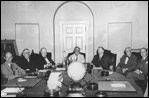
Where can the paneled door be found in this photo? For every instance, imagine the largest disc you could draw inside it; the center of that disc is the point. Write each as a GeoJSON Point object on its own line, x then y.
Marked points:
{"type": "Point", "coordinates": [73, 34]}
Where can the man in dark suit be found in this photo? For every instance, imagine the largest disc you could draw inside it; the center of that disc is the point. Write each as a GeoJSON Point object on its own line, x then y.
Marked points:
{"type": "Point", "coordinates": [45, 60]}
{"type": "Point", "coordinates": [127, 63]}
{"type": "Point", "coordinates": [102, 60]}
{"type": "Point", "coordinates": [27, 63]}
{"type": "Point", "coordinates": [11, 70]}
{"type": "Point", "coordinates": [141, 70]}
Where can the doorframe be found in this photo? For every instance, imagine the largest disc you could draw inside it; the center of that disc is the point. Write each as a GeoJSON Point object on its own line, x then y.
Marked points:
{"type": "Point", "coordinates": [65, 22]}
{"type": "Point", "coordinates": [54, 24]}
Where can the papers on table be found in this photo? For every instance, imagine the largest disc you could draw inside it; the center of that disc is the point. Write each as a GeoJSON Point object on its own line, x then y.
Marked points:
{"type": "Point", "coordinates": [13, 95]}
{"type": "Point", "coordinates": [44, 70]}
{"type": "Point", "coordinates": [3, 94]}
{"type": "Point", "coordinates": [21, 80]}
{"type": "Point", "coordinates": [97, 67]}
{"type": "Point", "coordinates": [27, 77]}
{"type": "Point", "coordinates": [60, 69]}
{"type": "Point", "coordinates": [11, 90]}
{"type": "Point", "coordinates": [118, 85]}
{"type": "Point", "coordinates": [110, 72]}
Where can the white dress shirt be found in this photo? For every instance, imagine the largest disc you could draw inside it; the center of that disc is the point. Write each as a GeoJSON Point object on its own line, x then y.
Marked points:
{"type": "Point", "coordinates": [47, 60]}
{"type": "Point", "coordinates": [79, 58]}
{"type": "Point", "coordinates": [126, 60]}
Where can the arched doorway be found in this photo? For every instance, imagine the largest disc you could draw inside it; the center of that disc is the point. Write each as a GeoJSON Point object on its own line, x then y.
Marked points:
{"type": "Point", "coordinates": [67, 19]}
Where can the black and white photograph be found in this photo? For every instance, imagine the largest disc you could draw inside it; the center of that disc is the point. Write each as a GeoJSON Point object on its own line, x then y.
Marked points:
{"type": "Point", "coordinates": [74, 48]}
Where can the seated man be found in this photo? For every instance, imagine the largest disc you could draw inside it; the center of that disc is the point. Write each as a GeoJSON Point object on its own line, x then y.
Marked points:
{"type": "Point", "coordinates": [45, 59]}
{"type": "Point", "coordinates": [26, 61]}
{"type": "Point", "coordinates": [127, 63]}
{"type": "Point", "coordinates": [102, 60]}
{"type": "Point", "coordinates": [11, 70]}
{"type": "Point", "coordinates": [142, 68]}
{"type": "Point", "coordinates": [76, 56]}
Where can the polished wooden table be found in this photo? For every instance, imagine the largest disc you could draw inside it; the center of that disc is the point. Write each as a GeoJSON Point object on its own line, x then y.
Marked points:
{"type": "Point", "coordinates": [38, 90]}
{"type": "Point", "coordinates": [28, 83]}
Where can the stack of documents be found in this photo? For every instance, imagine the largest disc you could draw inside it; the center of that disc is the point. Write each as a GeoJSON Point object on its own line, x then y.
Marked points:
{"type": "Point", "coordinates": [12, 90]}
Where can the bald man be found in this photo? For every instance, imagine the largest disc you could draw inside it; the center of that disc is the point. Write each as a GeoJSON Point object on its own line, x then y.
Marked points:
{"type": "Point", "coordinates": [127, 63]}
{"type": "Point", "coordinates": [9, 69]}
{"type": "Point", "coordinates": [45, 60]}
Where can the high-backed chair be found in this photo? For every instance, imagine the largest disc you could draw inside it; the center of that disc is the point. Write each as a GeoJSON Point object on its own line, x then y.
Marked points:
{"type": "Point", "coordinates": [113, 58]}
{"type": "Point", "coordinates": [137, 53]}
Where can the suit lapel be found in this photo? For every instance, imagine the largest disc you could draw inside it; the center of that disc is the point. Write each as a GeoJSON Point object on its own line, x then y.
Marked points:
{"type": "Point", "coordinates": [9, 69]}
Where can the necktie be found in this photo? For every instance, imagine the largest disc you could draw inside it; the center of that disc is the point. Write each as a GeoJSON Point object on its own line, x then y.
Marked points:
{"type": "Point", "coordinates": [12, 69]}
{"type": "Point", "coordinates": [76, 58]}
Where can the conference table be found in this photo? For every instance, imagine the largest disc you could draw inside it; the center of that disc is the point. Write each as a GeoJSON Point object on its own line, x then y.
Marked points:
{"type": "Point", "coordinates": [37, 86]}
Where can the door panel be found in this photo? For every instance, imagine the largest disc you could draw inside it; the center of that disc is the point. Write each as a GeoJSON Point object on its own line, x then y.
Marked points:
{"type": "Point", "coordinates": [79, 42]}
{"type": "Point", "coordinates": [73, 35]}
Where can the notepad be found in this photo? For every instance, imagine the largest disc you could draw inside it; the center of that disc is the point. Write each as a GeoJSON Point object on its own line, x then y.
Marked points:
{"type": "Point", "coordinates": [12, 90]}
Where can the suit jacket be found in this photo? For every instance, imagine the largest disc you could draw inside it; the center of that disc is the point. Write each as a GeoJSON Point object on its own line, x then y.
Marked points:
{"type": "Point", "coordinates": [104, 62]}
{"type": "Point", "coordinates": [131, 64]}
{"type": "Point", "coordinates": [43, 62]}
{"type": "Point", "coordinates": [143, 66]}
{"type": "Point", "coordinates": [24, 64]}
{"type": "Point", "coordinates": [10, 73]}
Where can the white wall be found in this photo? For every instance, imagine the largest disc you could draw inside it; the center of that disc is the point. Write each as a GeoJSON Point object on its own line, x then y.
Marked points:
{"type": "Point", "coordinates": [104, 12]}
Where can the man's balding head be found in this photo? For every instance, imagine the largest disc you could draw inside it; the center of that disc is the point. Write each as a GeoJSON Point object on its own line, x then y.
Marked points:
{"type": "Point", "coordinates": [128, 51]}
{"type": "Point", "coordinates": [8, 57]}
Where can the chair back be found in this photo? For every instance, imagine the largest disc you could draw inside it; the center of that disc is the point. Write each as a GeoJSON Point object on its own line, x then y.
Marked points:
{"type": "Point", "coordinates": [137, 53]}
{"type": "Point", "coordinates": [113, 58]}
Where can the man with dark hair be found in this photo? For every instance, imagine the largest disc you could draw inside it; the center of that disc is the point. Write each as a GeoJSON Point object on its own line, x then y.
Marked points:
{"type": "Point", "coordinates": [141, 70]}
{"type": "Point", "coordinates": [9, 69]}
{"type": "Point", "coordinates": [45, 60]}
{"type": "Point", "coordinates": [27, 62]}
{"type": "Point", "coordinates": [77, 56]}
{"type": "Point", "coordinates": [127, 63]}
{"type": "Point", "coordinates": [102, 60]}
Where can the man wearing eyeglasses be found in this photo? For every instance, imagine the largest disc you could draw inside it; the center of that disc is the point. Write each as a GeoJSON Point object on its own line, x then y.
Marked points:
{"type": "Point", "coordinates": [141, 70]}
{"type": "Point", "coordinates": [27, 62]}
{"type": "Point", "coordinates": [76, 56]}
{"type": "Point", "coordinates": [9, 69]}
